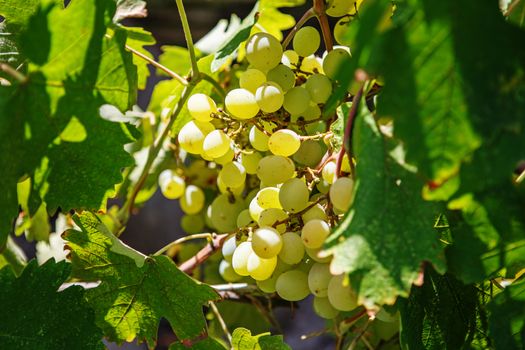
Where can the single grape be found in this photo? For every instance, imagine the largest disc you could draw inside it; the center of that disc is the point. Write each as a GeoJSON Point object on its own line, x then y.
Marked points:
{"type": "Point", "coordinates": [251, 79]}
{"type": "Point", "coordinates": [268, 197]}
{"type": "Point", "coordinates": [341, 296]}
{"type": "Point", "coordinates": [323, 308]}
{"type": "Point", "coordinates": [216, 144]}
{"type": "Point", "coordinates": [263, 51]}
{"type": "Point", "coordinates": [329, 172]}
{"type": "Point", "coordinates": [191, 136]}
{"type": "Point", "coordinates": [306, 41]}
{"type": "Point", "coordinates": [270, 216]}
{"type": "Point", "coordinates": [255, 209]}
{"type": "Point", "coordinates": [290, 58]}
{"type": "Point", "coordinates": [341, 193]}
{"type": "Point", "coordinates": [269, 97]}
{"type": "Point", "coordinates": [233, 174]}
{"type": "Point", "coordinates": [323, 186]}
{"type": "Point", "coordinates": [334, 61]}
{"type": "Point", "coordinates": [171, 185]}
{"type": "Point", "coordinates": [282, 75]}
{"type": "Point", "coordinates": [227, 272]}
{"type": "Point", "coordinates": [193, 200]}
{"type": "Point", "coordinates": [226, 157]}
{"type": "Point", "coordinates": [310, 153]}
{"type": "Point", "coordinates": [224, 212]}
{"type": "Point", "coordinates": [385, 330]}
{"type": "Point", "coordinates": [314, 233]}
{"type": "Point", "coordinates": [273, 170]}
{"type": "Point", "coordinates": [259, 268]}
{"type": "Point", "coordinates": [318, 279]}
{"type": "Point", "coordinates": [314, 254]}
{"type": "Point", "coordinates": [296, 100]}
{"type": "Point", "coordinates": [294, 195]}
{"type": "Point", "coordinates": [258, 139]}
{"type": "Point", "coordinates": [223, 188]}
{"type": "Point", "coordinates": [250, 161]}
{"type": "Point", "coordinates": [315, 212]}
{"type": "Point", "coordinates": [292, 285]}
{"type": "Point", "coordinates": [228, 248]}
{"type": "Point", "coordinates": [312, 64]}
{"type": "Point", "coordinates": [284, 142]}
{"type": "Point", "coordinates": [292, 250]}
{"type": "Point", "coordinates": [201, 107]}
{"type": "Point", "coordinates": [266, 242]}
{"type": "Point", "coordinates": [319, 87]}
{"type": "Point", "coordinates": [192, 223]}
{"type": "Point", "coordinates": [340, 30]}
{"type": "Point", "coordinates": [339, 8]}
{"type": "Point", "coordinates": [241, 104]}
{"type": "Point", "coordinates": [244, 219]}
{"type": "Point", "coordinates": [240, 258]}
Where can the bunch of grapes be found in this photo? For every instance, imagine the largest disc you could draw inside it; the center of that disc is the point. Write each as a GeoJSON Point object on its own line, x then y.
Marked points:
{"type": "Point", "coordinates": [267, 157]}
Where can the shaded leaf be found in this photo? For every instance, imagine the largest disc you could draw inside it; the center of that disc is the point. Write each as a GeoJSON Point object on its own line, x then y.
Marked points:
{"type": "Point", "coordinates": [137, 39]}
{"type": "Point", "coordinates": [40, 317]}
{"type": "Point", "coordinates": [136, 291]}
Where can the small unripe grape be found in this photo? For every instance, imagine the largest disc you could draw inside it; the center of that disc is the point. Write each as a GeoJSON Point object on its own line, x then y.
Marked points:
{"type": "Point", "coordinates": [192, 223]}
{"type": "Point", "coordinates": [227, 272]}
{"type": "Point", "coordinates": [341, 193]}
{"type": "Point", "coordinates": [216, 144]}
{"type": "Point", "coordinates": [191, 136]}
{"type": "Point", "coordinates": [258, 139]}
{"type": "Point", "coordinates": [241, 104]}
{"type": "Point", "coordinates": [263, 51]}
{"type": "Point", "coordinates": [296, 100]}
{"type": "Point", "coordinates": [314, 233]}
{"type": "Point", "coordinates": [292, 285]}
{"type": "Point", "coordinates": [306, 41]}
{"type": "Point", "coordinates": [193, 200]}
{"type": "Point", "coordinates": [283, 76]}
{"type": "Point", "coordinates": [329, 172]}
{"type": "Point", "coordinates": [171, 185]}
{"type": "Point", "coordinates": [319, 87]}
{"type": "Point", "coordinates": [292, 250]}
{"type": "Point", "coordinates": [240, 258]}
{"type": "Point", "coordinates": [270, 97]}
{"type": "Point", "coordinates": [251, 79]}
{"type": "Point", "coordinates": [201, 107]}
{"type": "Point", "coordinates": [266, 242]}
{"type": "Point", "coordinates": [284, 142]}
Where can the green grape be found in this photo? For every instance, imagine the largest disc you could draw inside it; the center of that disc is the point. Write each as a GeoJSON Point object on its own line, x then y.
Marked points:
{"type": "Point", "coordinates": [241, 104]}
{"type": "Point", "coordinates": [255, 209]}
{"type": "Point", "coordinates": [341, 296]}
{"type": "Point", "coordinates": [319, 87]}
{"type": "Point", "coordinates": [224, 212]}
{"type": "Point", "coordinates": [192, 223]}
{"type": "Point", "coordinates": [339, 8]}
{"type": "Point", "coordinates": [282, 75]}
{"type": "Point", "coordinates": [268, 197]}
{"type": "Point", "coordinates": [233, 174]}
{"type": "Point", "coordinates": [341, 193]}
{"type": "Point", "coordinates": [318, 279]}
{"type": "Point", "coordinates": [270, 216]}
{"type": "Point", "coordinates": [268, 285]}
{"type": "Point", "coordinates": [273, 170]}
{"type": "Point", "coordinates": [223, 188]}
{"type": "Point", "coordinates": [386, 316]}
{"type": "Point", "coordinates": [250, 161]}
{"type": "Point", "coordinates": [292, 251]}
{"type": "Point", "coordinates": [228, 248]}
{"type": "Point", "coordinates": [244, 219]}
{"type": "Point", "coordinates": [324, 309]}
{"type": "Point", "coordinates": [312, 112]}
{"type": "Point", "coordinates": [171, 185]}
{"type": "Point", "coordinates": [316, 128]}
{"type": "Point", "coordinates": [306, 41]}
{"type": "Point", "coordinates": [296, 100]}
{"type": "Point", "coordinates": [314, 254]}
{"type": "Point", "coordinates": [201, 107]}
{"type": "Point", "coordinates": [305, 265]}
{"type": "Point", "coordinates": [227, 272]}
{"type": "Point", "coordinates": [284, 142]}
{"type": "Point", "coordinates": [216, 144]}
{"type": "Point", "coordinates": [263, 51]}
{"type": "Point", "coordinates": [207, 218]}
{"type": "Point", "coordinates": [193, 200]}
{"type": "Point", "coordinates": [294, 195]}
{"type": "Point", "coordinates": [258, 139]}
{"type": "Point", "coordinates": [323, 186]}
{"type": "Point", "coordinates": [191, 136]}
{"type": "Point", "coordinates": [270, 97]}
{"type": "Point", "coordinates": [290, 58]}
{"type": "Point", "coordinates": [251, 79]}
{"type": "Point", "coordinates": [385, 330]}
{"type": "Point", "coordinates": [312, 64]}
{"type": "Point", "coordinates": [340, 30]}
{"type": "Point", "coordinates": [314, 233]}
{"type": "Point", "coordinates": [335, 60]}
{"type": "Point", "coordinates": [315, 212]}
{"type": "Point", "coordinates": [309, 154]}
{"type": "Point", "coordinates": [292, 285]}
{"type": "Point", "coordinates": [329, 172]}
{"type": "Point", "coordinates": [240, 258]}
{"type": "Point", "coordinates": [266, 242]}
{"type": "Point", "coordinates": [259, 268]}
{"type": "Point", "coordinates": [226, 157]}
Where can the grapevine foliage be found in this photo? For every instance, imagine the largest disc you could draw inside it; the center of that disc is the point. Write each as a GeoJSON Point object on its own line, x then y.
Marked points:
{"type": "Point", "coordinates": [425, 123]}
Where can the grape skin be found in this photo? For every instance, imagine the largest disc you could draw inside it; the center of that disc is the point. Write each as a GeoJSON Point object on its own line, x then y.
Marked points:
{"type": "Point", "coordinates": [341, 296]}
{"type": "Point", "coordinates": [292, 285]}
{"type": "Point", "coordinates": [266, 242]}
{"type": "Point", "coordinates": [284, 142]}
{"type": "Point", "coordinates": [216, 144]}
{"type": "Point", "coordinates": [306, 41]}
{"type": "Point", "coordinates": [318, 279]}
{"type": "Point", "coordinates": [314, 233]}
{"type": "Point", "coordinates": [240, 258]}
{"type": "Point", "coordinates": [341, 193]}
{"type": "Point", "coordinates": [201, 107]}
{"type": "Point", "coordinates": [192, 201]}
{"type": "Point", "coordinates": [273, 170]}
{"type": "Point", "coordinates": [241, 104]}
{"type": "Point", "coordinates": [292, 250]}
{"type": "Point", "coordinates": [263, 51]}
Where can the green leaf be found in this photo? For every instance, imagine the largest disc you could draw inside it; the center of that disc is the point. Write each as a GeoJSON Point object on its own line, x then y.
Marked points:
{"type": "Point", "coordinates": [274, 21]}
{"type": "Point", "coordinates": [388, 233]}
{"type": "Point", "coordinates": [176, 58]}
{"type": "Point", "coordinates": [507, 317]}
{"type": "Point", "coordinates": [242, 339]}
{"type": "Point", "coordinates": [50, 124]}
{"type": "Point", "coordinates": [516, 13]}
{"type": "Point", "coordinates": [441, 314]}
{"type": "Point", "coordinates": [137, 39]}
{"type": "Point", "coordinates": [37, 316]}
{"type": "Point", "coordinates": [135, 291]}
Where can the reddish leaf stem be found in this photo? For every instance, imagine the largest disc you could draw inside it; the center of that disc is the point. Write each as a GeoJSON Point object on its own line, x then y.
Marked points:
{"type": "Point", "coordinates": [202, 255]}
{"type": "Point", "coordinates": [320, 11]}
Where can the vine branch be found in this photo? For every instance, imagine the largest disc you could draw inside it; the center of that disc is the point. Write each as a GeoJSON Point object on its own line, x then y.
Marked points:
{"type": "Point", "coordinates": [189, 39]}
{"type": "Point", "coordinates": [4, 67]}
{"type": "Point", "coordinates": [320, 11]}
{"type": "Point", "coordinates": [202, 255]}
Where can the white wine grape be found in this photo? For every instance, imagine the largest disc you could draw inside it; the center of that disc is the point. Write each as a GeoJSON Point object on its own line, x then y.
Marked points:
{"type": "Point", "coordinates": [266, 242]}
{"type": "Point", "coordinates": [283, 76]}
{"type": "Point", "coordinates": [259, 268]}
{"type": "Point", "coordinates": [241, 104]}
{"type": "Point", "coordinates": [240, 258]}
{"type": "Point", "coordinates": [251, 79]}
{"type": "Point", "coordinates": [306, 41]}
{"type": "Point", "coordinates": [292, 285]}
{"type": "Point", "coordinates": [296, 100]}
{"type": "Point", "coordinates": [318, 279]}
{"type": "Point", "coordinates": [341, 296]}
{"type": "Point", "coordinates": [320, 88]}
{"type": "Point", "coordinates": [191, 136]}
{"type": "Point", "coordinates": [192, 201]}
{"type": "Point", "coordinates": [314, 233]}
{"type": "Point", "coordinates": [294, 195]}
{"type": "Point", "coordinates": [323, 308]}
{"type": "Point", "coordinates": [273, 170]}
{"type": "Point", "coordinates": [201, 107]}
{"type": "Point", "coordinates": [269, 97]}
{"type": "Point", "coordinates": [216, 144]}
{"type": "Point", "coordinates": [258, 139]}
{"type": "Point", "coordinates": [263, 51]}
{"type": "Point", "coordinates": [341, 193]}
{"type": "Point", "coordinates": [284, 142]}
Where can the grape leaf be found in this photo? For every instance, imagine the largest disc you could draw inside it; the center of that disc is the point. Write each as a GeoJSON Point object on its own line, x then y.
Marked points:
{"type": "Point", "coordinates": [137, 38]}
{"type": "Point", "coordinates": [177, 59]}
{"type": "Point", "coordinates": [507, 317]}
{"type": "Point", "coordinates": [388, 233]}
{"type": "Point", "coordinates": [274, 21]}
{"type": "Point", "coordinates": [242, 339]}
{"type": "Point", "coordinates": [50, 123]}
{"type": "Point", "coordinates": [37, 316]}
{"type": "Point", "coordinates": [135, 290]}
{"type": "Point", "coordinates": [441, 314]}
